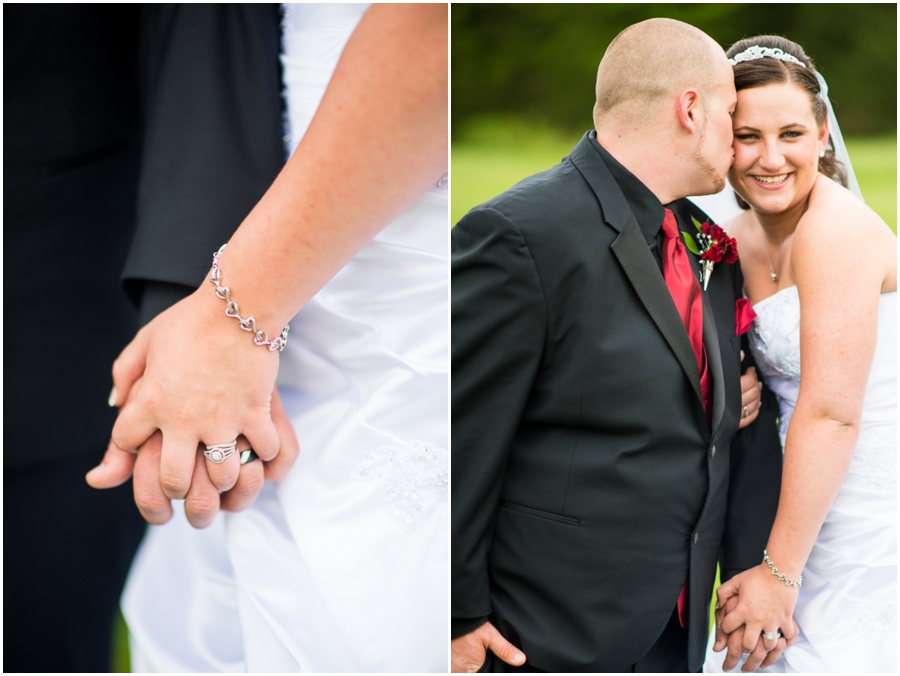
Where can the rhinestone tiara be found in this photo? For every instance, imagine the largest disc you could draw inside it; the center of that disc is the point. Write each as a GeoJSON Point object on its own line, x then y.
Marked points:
{"type": "Point", "coordinates": [756, 52]}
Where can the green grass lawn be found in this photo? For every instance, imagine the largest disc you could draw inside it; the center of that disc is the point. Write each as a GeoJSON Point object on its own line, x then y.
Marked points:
{"type": "Point", "coordinates": [121, 661]}
{"type": "Point", "coordinates": [485, 165]}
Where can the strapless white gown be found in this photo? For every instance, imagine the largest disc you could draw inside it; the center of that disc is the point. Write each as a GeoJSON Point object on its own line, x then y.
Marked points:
{"type": "Point", "coordinates": [847, 609]}
{"type": "Point", "coordinates": [343, 565]}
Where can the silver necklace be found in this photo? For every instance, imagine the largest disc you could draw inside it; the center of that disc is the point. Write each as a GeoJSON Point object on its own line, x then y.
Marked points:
{"type": "Point", "coordinates": [772, 272]}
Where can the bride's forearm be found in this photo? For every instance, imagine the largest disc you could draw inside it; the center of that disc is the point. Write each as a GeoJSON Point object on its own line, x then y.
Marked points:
{"type": "Point", "coordinates": [377, 141]}
{"type": "Point", "coordinates": [818, 451]}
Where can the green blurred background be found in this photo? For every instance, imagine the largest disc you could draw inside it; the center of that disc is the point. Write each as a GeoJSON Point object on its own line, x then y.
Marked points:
{"type": "Point", "coordinates": [522, 85]}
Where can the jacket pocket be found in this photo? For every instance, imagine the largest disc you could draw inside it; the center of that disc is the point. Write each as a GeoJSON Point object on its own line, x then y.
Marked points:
{"type": "Point", "coordinates": [540, 513]}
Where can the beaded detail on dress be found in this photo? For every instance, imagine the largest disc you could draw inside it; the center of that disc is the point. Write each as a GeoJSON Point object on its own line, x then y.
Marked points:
{"type": "Point", "coordinates": [867, 617]}
{"type": "Point", "coordinates": [407, 472]}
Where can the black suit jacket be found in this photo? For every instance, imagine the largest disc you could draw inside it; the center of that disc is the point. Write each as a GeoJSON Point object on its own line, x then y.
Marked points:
{"type": "Point", "coordinates": [587, 483]}
{"type": "Point", "coordinates": [158, 122]}
{"type": "Point", "coordinates": [210, 84]}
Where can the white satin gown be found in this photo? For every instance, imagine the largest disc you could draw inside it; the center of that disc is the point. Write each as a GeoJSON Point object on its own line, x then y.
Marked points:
{"type": "Point", "coordinates": [847, 608]}
{"type": "Point", "coordinates": [343, 565]}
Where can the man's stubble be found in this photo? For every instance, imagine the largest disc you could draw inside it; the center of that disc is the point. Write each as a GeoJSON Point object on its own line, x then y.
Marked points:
{"type": "Point", "coordinates": [714, 181]}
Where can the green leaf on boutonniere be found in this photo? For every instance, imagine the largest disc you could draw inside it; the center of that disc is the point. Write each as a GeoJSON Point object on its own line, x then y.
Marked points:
{"type": "Point", "coordinates": [691, 244]}
{"type": "Point", "coordinates": [697, 224]}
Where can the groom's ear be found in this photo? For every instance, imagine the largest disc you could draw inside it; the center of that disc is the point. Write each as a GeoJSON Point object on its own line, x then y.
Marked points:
{"type": "Point", "coordinates": [689, 110]}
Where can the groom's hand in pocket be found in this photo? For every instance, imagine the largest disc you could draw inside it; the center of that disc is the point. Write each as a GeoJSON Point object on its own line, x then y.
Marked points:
{"type": "Point", "coordinates": [469, 651]}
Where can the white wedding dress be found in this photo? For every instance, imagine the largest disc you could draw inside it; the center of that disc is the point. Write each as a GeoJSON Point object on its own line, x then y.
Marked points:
{"type": "Point", "coordinates": [343, 565]}
{"type": "Point", "coordinates": [847, 610]}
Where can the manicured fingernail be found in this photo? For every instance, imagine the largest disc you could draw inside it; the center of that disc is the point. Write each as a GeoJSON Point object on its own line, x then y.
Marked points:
{"type": "Point", "coordinates": [113, 395]}
{"type": "Point", "coordinates": [518, 658]}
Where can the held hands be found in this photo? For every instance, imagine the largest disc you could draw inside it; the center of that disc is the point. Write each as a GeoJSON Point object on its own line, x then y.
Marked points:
{"type": "Point", "coordinates": [203, 499]}
{"type": "Point", "coordinates": [469, 651]}
{"type": "Point", "coordinates": [192, 375]}
{"type": "Point", "coordinates": [749, 604]}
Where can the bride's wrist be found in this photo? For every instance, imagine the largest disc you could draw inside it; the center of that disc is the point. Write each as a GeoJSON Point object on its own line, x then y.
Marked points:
{"type": "Point", "coordinates": [781, 567]}
{"type": "Point", "coordinates": [267, 328]}
{"type": "Point", "coordinates": [205, 314]}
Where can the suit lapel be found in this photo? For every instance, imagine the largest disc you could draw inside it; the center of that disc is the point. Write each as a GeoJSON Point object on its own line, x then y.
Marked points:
{"type": "Point", "coordinates": [640, 267]}
{"type": "Point", "coordinates": [714, 360]}
{"type": "Point", "coordinates": [633, 253]}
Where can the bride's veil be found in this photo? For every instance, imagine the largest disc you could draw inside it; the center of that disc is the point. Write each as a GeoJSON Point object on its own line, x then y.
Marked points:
{"type": "Point", "coordinates": [837, 140]}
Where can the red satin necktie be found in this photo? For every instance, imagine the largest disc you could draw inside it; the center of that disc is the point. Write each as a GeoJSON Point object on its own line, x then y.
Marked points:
{"type": "Point", "coordinates": [685, 289]}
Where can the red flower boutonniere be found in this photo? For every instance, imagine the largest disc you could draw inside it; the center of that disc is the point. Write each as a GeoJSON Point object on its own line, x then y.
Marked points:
{"type": "Point", "coordinates": [744, 315]}
{"type": "Point", "coordinates": [715, 246]}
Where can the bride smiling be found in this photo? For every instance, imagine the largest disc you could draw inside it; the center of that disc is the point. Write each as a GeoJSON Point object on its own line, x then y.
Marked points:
{"type": "Point", "coordinates": [820, 269]}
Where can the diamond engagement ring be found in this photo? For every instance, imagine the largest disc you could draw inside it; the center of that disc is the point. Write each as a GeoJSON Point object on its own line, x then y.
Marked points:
{"type": "Point", "coordinates": [746, 412]}
{"type": "Point", "coordinates": [771, 635]}
{"type": "Point", "coordinates": [218, 452]}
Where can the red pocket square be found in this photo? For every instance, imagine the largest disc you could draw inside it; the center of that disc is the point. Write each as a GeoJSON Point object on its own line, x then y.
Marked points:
{"type": "Point", "coordinates": [743, 316]}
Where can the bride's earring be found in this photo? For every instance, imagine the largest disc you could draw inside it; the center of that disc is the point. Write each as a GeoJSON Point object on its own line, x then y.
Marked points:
{"type": "Point", "coordinates": [821, 153]}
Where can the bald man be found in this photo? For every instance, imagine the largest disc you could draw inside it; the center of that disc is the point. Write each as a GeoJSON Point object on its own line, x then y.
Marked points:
{"type": "Point", "coordinates": [597, 386]}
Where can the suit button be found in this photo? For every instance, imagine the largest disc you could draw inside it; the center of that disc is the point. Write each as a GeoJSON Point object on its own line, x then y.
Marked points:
{"type": "Point", "coordinates": [696, 537]}
{"type": "Point", "coordinates": [712, 452]}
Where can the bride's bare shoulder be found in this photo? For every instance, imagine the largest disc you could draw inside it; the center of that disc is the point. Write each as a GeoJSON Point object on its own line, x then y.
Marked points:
{"type": "Point", "coordinates": [831, 205]}
{"type": "Point", "coordinates": [839, 228]}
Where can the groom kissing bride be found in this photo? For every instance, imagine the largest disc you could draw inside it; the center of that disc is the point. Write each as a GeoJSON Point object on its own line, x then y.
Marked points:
{"type": "Point", "coordinates": [598, 471]}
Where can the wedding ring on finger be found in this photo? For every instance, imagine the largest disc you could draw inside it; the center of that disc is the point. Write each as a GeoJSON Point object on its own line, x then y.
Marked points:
{"type": "Point", "coordinates": [248, 456]}
{"type": "Point", "coordinates": [745, 412]}
{"type": "Point", "coordinates": [217, 453]}
{"type": "Point", "coordinates": [771, 635]}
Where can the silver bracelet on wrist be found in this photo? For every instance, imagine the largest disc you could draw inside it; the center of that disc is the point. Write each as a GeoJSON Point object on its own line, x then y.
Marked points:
{"type": "Point", "coordinates": [231, 309]}
{"type": "Point", "coordinates": [781, 576]}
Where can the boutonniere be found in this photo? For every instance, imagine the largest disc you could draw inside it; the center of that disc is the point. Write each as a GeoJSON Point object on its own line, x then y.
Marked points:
{"type": "Point", "coordinates": [715, 246]}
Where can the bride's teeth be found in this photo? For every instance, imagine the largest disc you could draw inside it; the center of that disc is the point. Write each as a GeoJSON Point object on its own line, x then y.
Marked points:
{"type": "Point", "coordinates": [771, 179]}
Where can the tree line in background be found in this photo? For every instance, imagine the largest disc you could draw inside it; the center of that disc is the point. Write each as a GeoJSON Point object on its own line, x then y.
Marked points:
{"type": "Point", "coordinates": [538, 62]}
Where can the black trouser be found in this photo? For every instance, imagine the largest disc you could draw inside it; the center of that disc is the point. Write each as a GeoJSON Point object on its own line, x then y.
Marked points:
{"type": "Point", "coordinates": [67, 550]}
{"type": "Point", "coordinates": [667, 655]}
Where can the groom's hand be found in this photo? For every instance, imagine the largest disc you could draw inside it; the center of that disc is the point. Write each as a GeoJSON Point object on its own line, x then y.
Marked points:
{"type": "Point", "coordinates": [750, 397]}
{"type": "Point", "coordinates": [469, 651]}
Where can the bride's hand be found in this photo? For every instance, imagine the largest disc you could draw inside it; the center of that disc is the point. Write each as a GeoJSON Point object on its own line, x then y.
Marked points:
{"type": "Point", "coordinates": [204, 381]}
{"type": "Point", "coordinates": [759, 658]}
{"type": "Point", "coordinates": [764, 605]}
{"type": "Point", "coordinates": [203, 500]}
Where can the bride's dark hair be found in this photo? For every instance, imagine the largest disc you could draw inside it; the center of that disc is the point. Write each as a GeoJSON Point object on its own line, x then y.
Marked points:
{"type": "Point", "coordinates": [766, 71]}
